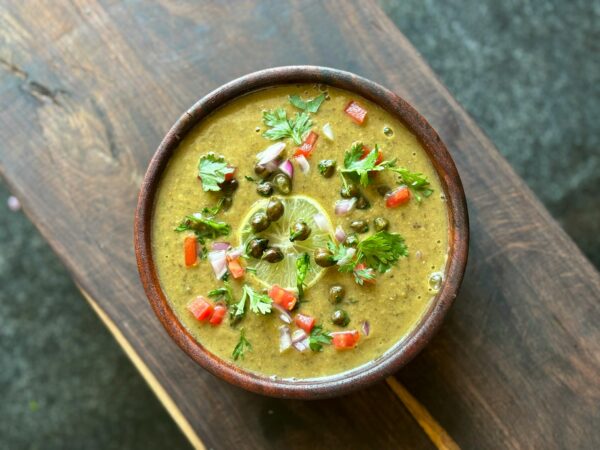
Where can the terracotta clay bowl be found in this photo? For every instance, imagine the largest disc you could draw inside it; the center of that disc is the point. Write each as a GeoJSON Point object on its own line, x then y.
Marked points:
{"type": "Point", "coordinates": [404, 350]}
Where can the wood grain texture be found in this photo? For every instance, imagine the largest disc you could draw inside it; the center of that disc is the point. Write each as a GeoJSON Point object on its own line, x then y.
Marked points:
{"type": "Point", "coordinates": [87, 90]}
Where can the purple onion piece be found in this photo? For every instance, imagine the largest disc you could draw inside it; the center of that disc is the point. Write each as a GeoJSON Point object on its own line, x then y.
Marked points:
{"type": "Point", "coordinates": [303, 163]}
{"type": "Point", "coordinates": [302, 345]}
{"type": "Point", "coordinates": [365, 327]}
{"type": "Point", "coordinates": [218, 261]}
{"type": "Point", "coordinates": [340, 234]}
{"type": "Point", "coordinates": [270, 153]}
{"type": "Point", "coordinates": [284, 315]}
{"type": "Point", "coordinates": [298, 336]}
{"type": "Point", "coordinates": [220, 246]}
{"type": "Point", "coordinates": [343, 207]}
{"type": "Point", "coordinates": [285, 339]}
{"type": "Point", "coordinates": [288, 168]}
{"type": "Point", "coordinates": [347, 257]}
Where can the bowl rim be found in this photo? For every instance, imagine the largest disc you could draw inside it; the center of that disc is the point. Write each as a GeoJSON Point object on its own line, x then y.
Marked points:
{"type": "Point", "coordinates": [404, 350]}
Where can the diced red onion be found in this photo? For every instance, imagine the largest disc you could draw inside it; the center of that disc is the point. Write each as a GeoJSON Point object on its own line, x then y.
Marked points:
{"type": "Point", "coordinates": [328, 131]}
{"type": "Point", "coordinates": [302, 345]}
{"type": "Point", "coordinates": [340, 234]}
{"type": "Point", "coordinates": [347, 257]}
{"type": "Point", "coordinates": [321, 221]}
{"type": "Point", "coordinates": [298, 335]}
{"type": "Point", "coordinates": [270, 153]}
{"type": "Point", "coordinates": [343, 207]}
{"type": "Point", "coordinates": [303, 163]}
{"type": "Point", "coordinates": [283, 314]}
{"type": "Point", "coordinates": [13, 203]}
{"type": "Point", "coordinates": [287, 168]}
{"type": "Point", "coordinates": [235, 252]}
{"type": "Point", "coordinates": [220, 246]}
{"type": "Point", "coordinates": [365, 327]}
{"type": "Point", "coordinates": [218, 261]}
{"type": "Point", "coordinates": [285, 339]}
{"type": "Point", "coordinates": [271, 166]}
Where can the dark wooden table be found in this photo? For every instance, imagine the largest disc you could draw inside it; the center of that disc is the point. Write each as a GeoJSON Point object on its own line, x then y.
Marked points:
{"type": "Point", "coordinates": [87, 90]}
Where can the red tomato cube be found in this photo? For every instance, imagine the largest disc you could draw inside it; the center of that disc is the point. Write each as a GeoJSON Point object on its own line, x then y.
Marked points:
{"type": "Point", "coordinates": [305, 322]}
{"type": "Point", "coordinates": [200, 308]}
{"type": "Point", "coordinates": [282, 297]}
{"type": "Point", "coordinates": [218, 315]}
{"type": "Point", "coordinates": [345, 339]}
{"type": "Point", "coordinates": [397, 197]}
{"type": "Point", "coordinates": [356, 112]}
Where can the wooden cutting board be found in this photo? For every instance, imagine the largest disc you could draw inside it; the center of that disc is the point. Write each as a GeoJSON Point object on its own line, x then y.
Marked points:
{"type": "Point", "coordinates": [87, 90]}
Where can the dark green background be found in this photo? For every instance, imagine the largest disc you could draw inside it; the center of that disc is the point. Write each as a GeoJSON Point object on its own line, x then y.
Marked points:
{"type": "Point", "coordinates": [524, 70]}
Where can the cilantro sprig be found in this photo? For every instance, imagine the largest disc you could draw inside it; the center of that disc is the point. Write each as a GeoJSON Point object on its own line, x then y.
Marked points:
{"type": "Point", "coordinates": [212, 170]}
{"type": "Point", "coordinates": [302, 265]}
{"type": "Point", "coordinates": [258, 304]}
{"type": "Point", "coordinates": [281, 127]}
{"type": "Point", "coordinates": [224, 294]}
{"type": "Point", "coordinates": [379, 252]}
{"type": "Point", "coordinates": [204, 227]}
{"type": "Point", "coordinates": [416, 182]}
{"type": "Point", "coordinates": [357, 165]}
{"type": "Point", "coordinates": [311, 105]}
{"type": "Point", "coordinates": [318, 338]}
{"type": "Point", "coordinates": [242, 346]}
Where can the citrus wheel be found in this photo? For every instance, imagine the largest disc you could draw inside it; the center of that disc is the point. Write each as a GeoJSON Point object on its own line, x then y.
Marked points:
{"type": "Point", "coordinates": [283, 273]}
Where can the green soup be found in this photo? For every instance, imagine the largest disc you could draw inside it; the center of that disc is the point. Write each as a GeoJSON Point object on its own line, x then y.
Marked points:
{"type": "Point", "coordinates": [391, 303]}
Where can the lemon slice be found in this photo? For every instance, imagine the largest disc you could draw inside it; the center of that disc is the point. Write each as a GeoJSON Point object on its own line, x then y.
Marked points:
{"type": "Point", "coordinates": [283, 273]}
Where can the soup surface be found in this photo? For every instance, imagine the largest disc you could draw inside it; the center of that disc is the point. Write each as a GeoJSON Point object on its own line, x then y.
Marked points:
{"type": "Point", "coordinates": [382, 248]}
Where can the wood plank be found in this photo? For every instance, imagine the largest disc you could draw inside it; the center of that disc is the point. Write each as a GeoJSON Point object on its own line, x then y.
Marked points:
{"type": "Point", "coordinates": [87, 91]}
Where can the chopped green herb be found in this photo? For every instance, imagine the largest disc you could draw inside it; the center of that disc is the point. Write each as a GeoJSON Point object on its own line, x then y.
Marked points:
{"type": "Point", "coordinates": [355, 164]}
{"type": "Point", "coordinates": [212, 170]}
{"type": "Point", "coordinates": [259, 303]}
{"type": "Point", "coordinates": [312, 105]}
{"type": "Point", "coordinates": [416, 182]}
{"type": "Point", "coordinates": [363, 274]}
{"type": "Point", "coordinates": [203, 227]}
{"type": "Point", "coordinates": [318, 338]}
{"type": "Point", "coordinates": [214, 210]}
{"type": "Point", "coordinates": [282, 127]}
{"type": "Point", "coordinates": [302, 265]}
{"type": "Point", "coordinates": [33, 406]}
{"type": "Point", "coordinates": [223, 294]}
{"type": "Point", "coordinates": [381, 250]}
{"type": "Point", "coordinates": [250, 179]}
{"type": "Point", "coordinates": [237, 311]}
{"type": "Point", "coordinates": [241, 347]}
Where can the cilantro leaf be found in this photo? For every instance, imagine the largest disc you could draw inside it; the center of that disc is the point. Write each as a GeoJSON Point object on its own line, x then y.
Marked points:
{"type": "Point", "coordinates": [381, 250]}
{"type": "Point", "coordinates": [416, 182]}
{"type": "Point", "coordinates": [318, 338]}
{"type": "Point", "coordinates": [212, 170]}
{"type": "Point", "coordinates": [360, 166]}
{"type": "Point", "coordinates": [237, 311]}
{"type": "Point", "coordinates": [241, 347]}
{"type": "Point", "coordinates": [302, 265]}
{"type": "Point", "coordinates": [259, 303]}
{"type": "Point", "coordinates": [213, 210]}
{"type": "Point", "coordinates": [203, 227]}
{"type": "Point", "coordinates": [223, 294]}
{"type": "Point", "coordinates": [363, 274]}
{"type": "Point", "coordinates": [312, 105]}
{"type": "Point", "coordinates": [282, 127]}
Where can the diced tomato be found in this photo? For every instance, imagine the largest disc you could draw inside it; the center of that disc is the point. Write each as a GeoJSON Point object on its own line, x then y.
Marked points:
{"type": "Point", "coordinates": [282, 297]}
{"type": "Point", "coordinates": [190, 250]}
{"type": "Point", "coordinates": [397, 197]}
{"type": "Point", "coordinates": [345, 339]}
{"type": "Point", "coordinates": [200, 308]}
{"type": "Point", "coordinates": [356, 112]}
{"type": "Point", "coordinates": [230, 176]}
{"type": "Point", "coordinates": [218, 315]}
{"type": "Point", "coordinates": [360, 267]}
{"type": "Point", "coordinates": [308, 145]}
{"type": "Point", "coordinates": [305, 322]}
{"type": "Point", "coordinates": [235, 268]}
{"type": "Point", "coordinates": [366, 150]}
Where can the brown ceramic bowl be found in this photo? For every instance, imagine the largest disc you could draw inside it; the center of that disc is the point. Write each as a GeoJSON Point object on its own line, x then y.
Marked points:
{"type": "Point", "coordinates": [403, 351]}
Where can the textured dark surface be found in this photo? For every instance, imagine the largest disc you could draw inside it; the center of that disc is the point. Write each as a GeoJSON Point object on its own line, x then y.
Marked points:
{"type": "Point", "coordinates": [525, 72]}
